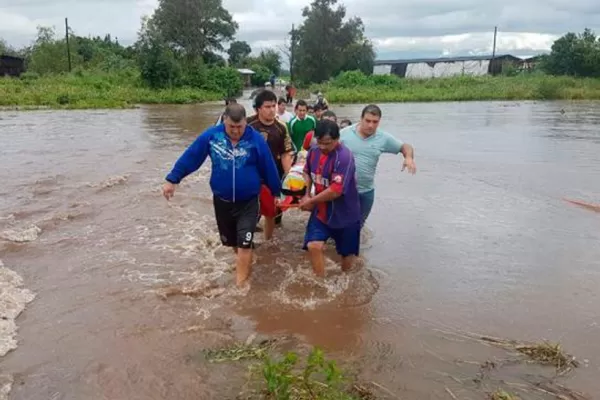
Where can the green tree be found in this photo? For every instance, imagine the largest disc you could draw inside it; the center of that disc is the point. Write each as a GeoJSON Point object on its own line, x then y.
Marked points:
{"type": "Point", "coordinates": [238, 51]}
{"type": "Point", "coordinates": [271, 60]}
{"type": "Point", "coordinates": [194, 26]}
{"type": "Point", "coordinates": [48, 54]}
{"type": "Point", "coordinates": [572, 54]}
{"type": "Point", "coordinates": [157, 63]}
{"type": "Point", "coordinates": [326, 44]}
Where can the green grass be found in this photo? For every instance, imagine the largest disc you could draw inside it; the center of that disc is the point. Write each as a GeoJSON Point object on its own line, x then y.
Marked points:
{"type": "Point", "coordinates": [92, 90]}
{"type": "Point", "coordinates": [353, 88]}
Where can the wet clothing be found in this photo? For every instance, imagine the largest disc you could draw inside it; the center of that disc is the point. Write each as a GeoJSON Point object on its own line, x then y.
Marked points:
{"type": "Point", "coordinates": [366, 153]}
{"type": "Point", "coordinates": [335, 171]}
{"type": "Point", "coordinates": [347, 239]}
{"type": "Point", "coordinates": [280, 143]}
{"type": "Point", "coordinates": [237, 171]}
{"type": "Point", "coordinates": [299, 128]}
{"type": "Point", "coordinates": [367, 199]}
{"type": "Point", "coordinates": [236, 222]}
{"type": "Point", "coordinates": [277, 138]}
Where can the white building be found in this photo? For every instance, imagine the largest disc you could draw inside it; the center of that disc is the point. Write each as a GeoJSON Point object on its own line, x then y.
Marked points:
{"type": "Point", "coordinates": [423, 68]}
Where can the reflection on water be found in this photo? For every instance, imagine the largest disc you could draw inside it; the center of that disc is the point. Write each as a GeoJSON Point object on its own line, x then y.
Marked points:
{"type": "Point", "coordinates": [129, 287]}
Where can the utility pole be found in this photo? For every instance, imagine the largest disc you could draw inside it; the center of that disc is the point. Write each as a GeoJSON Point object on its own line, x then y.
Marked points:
{"type": "Point", "coordinates": [494, 46]}
{"type": "Point", "coordinates": [493, 70]}
{"type": "Point", "coordinates": [68, 47]}
{"type": "Point", "coordinates": [292, 46]}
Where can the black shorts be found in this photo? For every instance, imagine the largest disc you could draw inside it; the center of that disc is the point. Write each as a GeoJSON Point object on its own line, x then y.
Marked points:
{"type": "Point", "coordinates": [236, 221]}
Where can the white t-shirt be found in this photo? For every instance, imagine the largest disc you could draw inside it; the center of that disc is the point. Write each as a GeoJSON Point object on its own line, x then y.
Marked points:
{"type": "Point", "coordinates": [285, 117]}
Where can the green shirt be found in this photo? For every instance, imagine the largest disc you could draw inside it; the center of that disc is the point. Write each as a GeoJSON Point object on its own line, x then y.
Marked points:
{"type": "Point", "coordinates": [299, 128]}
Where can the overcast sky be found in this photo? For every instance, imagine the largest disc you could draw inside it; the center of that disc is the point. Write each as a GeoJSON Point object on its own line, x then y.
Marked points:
{"type": "Point", "coordinates": [398, 28]}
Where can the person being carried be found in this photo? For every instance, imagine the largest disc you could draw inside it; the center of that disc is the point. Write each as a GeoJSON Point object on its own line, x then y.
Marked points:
{"type": "Point", "coordinates": [283, 115]}
{"type": "Point", "coordinates": [367, 142]}
{"type": "Point", "coordinates": [335, 206]}
{"type": "Point", "coordinates": [280, 143]}
{"type": "Point", "coordinates": [301, 124]}
{"type": "Point", "coordinates": [241, 160]}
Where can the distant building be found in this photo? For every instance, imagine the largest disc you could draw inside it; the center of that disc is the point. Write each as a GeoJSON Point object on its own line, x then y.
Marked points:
{"type": "Point", "coordinates": [423, 68]}
{"type": "Point", "coordinates": [247, 76]}
{"type": "Point", "coordinates": [11, 66]}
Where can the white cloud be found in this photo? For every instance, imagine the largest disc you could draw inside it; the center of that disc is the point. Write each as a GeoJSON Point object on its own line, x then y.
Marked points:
{"type": "Point", "coordinates": [402, 27]}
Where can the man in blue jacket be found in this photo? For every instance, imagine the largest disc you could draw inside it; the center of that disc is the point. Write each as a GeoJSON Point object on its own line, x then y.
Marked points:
{"type": "Point", "coordinates": [241, 159]}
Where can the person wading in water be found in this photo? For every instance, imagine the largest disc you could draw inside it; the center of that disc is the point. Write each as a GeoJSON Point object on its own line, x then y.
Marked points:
{"type": "Point", "coordinates": [367, 142]}
{"type": "Point", "coordinates": [280, 143]}
{"type": "Point", "coordinates": [241, 162]}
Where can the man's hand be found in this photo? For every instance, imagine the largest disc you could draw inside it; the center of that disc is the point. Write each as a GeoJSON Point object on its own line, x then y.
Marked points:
{"type": "Point", "coordinates": [168, 190]}
{"type": "Point", "coordinates": [409, 164]}
{"type": "Point", "coordinates": [306, 204]}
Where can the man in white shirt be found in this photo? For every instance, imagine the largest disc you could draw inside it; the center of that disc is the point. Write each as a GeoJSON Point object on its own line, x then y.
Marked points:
{"type": "Point", "coordinates": [283, 115]}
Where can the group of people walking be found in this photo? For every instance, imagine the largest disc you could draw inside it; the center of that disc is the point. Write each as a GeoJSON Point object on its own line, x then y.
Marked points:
{"type": "Point", "coordinates": [251, 155]}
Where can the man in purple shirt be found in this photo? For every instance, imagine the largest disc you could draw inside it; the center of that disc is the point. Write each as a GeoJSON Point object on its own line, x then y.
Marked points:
{"type": "Point", "coordinates": [335, 205]}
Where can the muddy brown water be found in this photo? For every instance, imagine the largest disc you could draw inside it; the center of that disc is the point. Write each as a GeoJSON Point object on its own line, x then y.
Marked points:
{"type": "Point", "coordinates": [130, 289]}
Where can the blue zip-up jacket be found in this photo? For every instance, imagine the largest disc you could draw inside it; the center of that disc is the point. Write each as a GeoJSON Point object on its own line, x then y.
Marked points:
{"type": "Point", "coordinates": [237, 171]}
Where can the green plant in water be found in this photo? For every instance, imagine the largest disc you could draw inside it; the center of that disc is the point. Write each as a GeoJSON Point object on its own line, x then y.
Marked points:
{"type": "Point", "coordinates": [318, 379]}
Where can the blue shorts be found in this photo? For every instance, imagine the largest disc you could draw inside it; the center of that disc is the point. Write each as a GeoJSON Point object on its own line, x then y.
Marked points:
{"type": "Point", "coordinates": [347, 240]}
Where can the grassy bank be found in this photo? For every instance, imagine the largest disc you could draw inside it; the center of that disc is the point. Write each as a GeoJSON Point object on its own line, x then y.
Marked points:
{"type": "Point", "coordinates": [86, 90]}
{"type": "Point", "coordinates": [353, 87]}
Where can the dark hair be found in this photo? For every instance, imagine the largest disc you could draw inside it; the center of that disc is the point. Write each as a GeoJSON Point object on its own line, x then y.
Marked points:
{"type": "Point", "coordinates": [235, 112]}
{"type": "Point", "coordinates": [346, 121]}
{"type": "Point", "coordinates": [301, 103]}
{"type": "Point", "coordinates": [326, 127]}
{"type": "Point", "coordinates": [230, 100]}
{"type": "Point", "coordinates": [371, 109]}
{"type": "Point", "coordinates": [329, 113]}
{"type": "Point", "coordinates": [281, 101]}
{"type": "Point", "coordinates": [310, 107]}
{"type": "Point", "coordinates": [263, 97]}
{"type": "Point", "coordinates": [317, 107]}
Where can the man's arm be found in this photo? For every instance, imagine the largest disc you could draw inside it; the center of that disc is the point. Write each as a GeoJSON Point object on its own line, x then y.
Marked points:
{"type": "Point", "coordinates": [408, 151]}
{"type": "Point", "coordinates": [287, 158]}
{"type": "Point", "coordinates": [191, 159]}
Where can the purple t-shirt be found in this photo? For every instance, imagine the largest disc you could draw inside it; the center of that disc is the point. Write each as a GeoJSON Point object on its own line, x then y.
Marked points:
{"type": "Point", "coordinates": [335, 170]}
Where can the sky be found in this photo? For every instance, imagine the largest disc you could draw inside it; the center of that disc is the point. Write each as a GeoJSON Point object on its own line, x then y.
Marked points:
{"type": "Point", "coordinates": [398, 28]}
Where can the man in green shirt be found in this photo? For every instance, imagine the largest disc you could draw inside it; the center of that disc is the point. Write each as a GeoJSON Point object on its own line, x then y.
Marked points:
{"type": "Point", "coordinates": [301, 124]}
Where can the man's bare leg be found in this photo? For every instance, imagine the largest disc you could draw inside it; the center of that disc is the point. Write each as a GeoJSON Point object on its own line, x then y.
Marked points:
{"type": "Point", "coordinates": [243, 265]}
{"type": "Point", "coordinates": [269, 227]}
{"type": "Point", "coordinates": [317, 258]}
{"type": "Point", "coordinates": [348, 263]}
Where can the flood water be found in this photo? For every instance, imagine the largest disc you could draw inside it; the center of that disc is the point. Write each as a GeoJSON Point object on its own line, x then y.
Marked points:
{"type": "Point", "coordinates": [131, 288]}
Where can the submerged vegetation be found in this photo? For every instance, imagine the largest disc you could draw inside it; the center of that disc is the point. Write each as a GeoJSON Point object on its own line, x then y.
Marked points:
{"type": "Point", "coordinates": [275, 374]}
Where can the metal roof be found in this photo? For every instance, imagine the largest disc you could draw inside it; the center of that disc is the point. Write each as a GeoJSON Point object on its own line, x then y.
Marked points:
{"type": "Point", "coordinates": [443, 59]}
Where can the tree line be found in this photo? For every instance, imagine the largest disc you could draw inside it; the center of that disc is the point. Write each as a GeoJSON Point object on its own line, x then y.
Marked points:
{"type": "Point", "coordinates": [182, 42]}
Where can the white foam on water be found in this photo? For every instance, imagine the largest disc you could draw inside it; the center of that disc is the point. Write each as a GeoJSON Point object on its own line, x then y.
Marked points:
{"type": "Point", "coordinates": [6, 382]}
{"type": "Point", "coordinates": [22, 235]}
{"type": "Point", "coordinates": [13, 299]}
{"type": "Point", "coordinates": [322, 291]}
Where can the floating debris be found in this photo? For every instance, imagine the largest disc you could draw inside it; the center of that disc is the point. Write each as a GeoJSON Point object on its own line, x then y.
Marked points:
{"type": "Point", "coordinates": [240, 351]}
